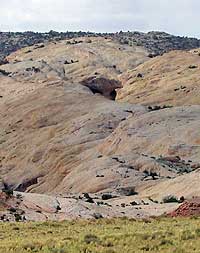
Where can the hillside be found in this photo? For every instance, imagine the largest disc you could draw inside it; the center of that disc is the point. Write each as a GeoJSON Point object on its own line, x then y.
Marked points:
{"type": "Point", "coordinates": [91, 117]}
{"type": "Point", "coordinates": [175, 74]}
{"type": "Point", "coordinates": [156, 43]}
{"type": "Point", "coordinates": [64, 117]}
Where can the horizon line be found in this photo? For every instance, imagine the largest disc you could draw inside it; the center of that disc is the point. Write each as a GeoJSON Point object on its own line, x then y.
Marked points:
{"type": "Point", "coordinates": [96, 32]}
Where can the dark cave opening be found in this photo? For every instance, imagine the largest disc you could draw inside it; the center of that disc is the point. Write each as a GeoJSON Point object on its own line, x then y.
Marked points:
{"type": "Point", "coordinates": [95, 90]}
{"type": "Point", "coordinates": [113, 95]}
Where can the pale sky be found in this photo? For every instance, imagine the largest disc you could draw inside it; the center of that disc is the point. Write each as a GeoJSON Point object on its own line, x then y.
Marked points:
{"type": "Point", "coordinates": [179, 17]}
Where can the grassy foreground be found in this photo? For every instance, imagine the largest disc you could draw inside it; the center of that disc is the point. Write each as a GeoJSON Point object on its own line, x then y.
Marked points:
{"type": "Point", "coordinates": [109, 236]}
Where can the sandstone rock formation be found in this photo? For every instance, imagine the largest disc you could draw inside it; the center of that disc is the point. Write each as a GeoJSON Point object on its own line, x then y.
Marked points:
{"type": "Point", "coordinates": [172, 79]}
{"type": "Point", "coordinates": [85, 118]}
{"type": "Point", "coordinates": [53, 104]}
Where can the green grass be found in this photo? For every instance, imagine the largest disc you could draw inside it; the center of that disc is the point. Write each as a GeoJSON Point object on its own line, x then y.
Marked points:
{"type": "Point", "coordinates": [108, 236]}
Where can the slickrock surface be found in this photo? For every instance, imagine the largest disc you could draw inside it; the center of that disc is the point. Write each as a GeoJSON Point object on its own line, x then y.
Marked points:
{"type": "Point", "coordinates": [168, 80]}
{"type": "Point", "coordinates": [63, 133]}
{"type": "Point", "coordinates": [40, 207]}
{"type": "Point", "coordinates": [185, 185]}
{"type": "Point", "coordinates": [56, 62]}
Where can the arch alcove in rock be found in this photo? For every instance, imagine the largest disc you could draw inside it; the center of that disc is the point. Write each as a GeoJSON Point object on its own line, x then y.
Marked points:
{"type": "Point", "coordinates": [104, 86]}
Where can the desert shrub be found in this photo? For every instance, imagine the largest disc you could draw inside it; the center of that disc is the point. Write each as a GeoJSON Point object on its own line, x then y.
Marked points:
{"type": "Point", "coordinates": [187, 235]}
{"type": "Point", "coordinates": [18, 217]}
{"type": "Point", "coordinates": [197, 231]}
{"type": "Point", "coordinates": [27, 52]}
{"type": "Point", "coordinates": [12, 210]}
{"type": "Point", "coordinates": [139, 44]}
{"type": "Point", "coordinates": [5, 73]}
{"type": "Point", "coordinates": [88, 41]}
{"type": "Point", "coordinates": [124, 41]}
{"type": "Point", "coordinates": [88, 198]}
{"type": "Point", "coordinates": [58, 208]}
{"type": "Point", "coordinates": [152, 200]}
{"type": "Point", "coordinates": [157, 107]}
{"type": "Point", "coordinates": [170, 199]}
{"type": "Point", "coordinates": [134, 203]}
{"type": "Point", "coordinates": [127, 191]}
{"type": "Point", "coordinates": [139, 75]}
{"type": "Point", "coordinates": [2, 217]}
{"type": "Point", "coordinates": [146, 172]}
{"type": "Point", "coordinates": [182, 199]}
{"type": "Point", "coordinates": [97, 216]}
{"type": "Point", "coordinates": [8, 192]}
{"type": "Point", "coordinates": [193, 67]}
{"type": "Point", "coordinates": [151, 55]}
{"type": "Point", "coordinates": [153, 175]}
{"type": "Point", "coordinates": [19, 196]}
{"type": "Point", "coordinates": [166, 242]}
{"type": "Point", "coordinates": [91, 239]}
{"type": "Point", "coordinates": [107, 196]}
{"type": "Point", "coordinates": [4, 61]}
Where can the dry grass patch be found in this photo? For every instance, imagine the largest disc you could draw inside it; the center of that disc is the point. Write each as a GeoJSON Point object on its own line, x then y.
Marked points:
{"type": "Point", "coordinates": [103, 236]}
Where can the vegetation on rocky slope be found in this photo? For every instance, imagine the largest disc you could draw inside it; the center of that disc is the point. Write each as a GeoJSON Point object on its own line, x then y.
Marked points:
{"type": "Point", "coordinates": [155, 42]}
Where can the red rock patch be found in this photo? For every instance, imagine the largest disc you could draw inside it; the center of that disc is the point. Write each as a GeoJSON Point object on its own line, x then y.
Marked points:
{"type": "Point", "coordinates": [187, 209]}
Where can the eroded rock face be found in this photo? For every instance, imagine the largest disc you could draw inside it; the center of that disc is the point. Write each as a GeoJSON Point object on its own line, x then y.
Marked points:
{"type": "Point", "coordinates": [103, 86]}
